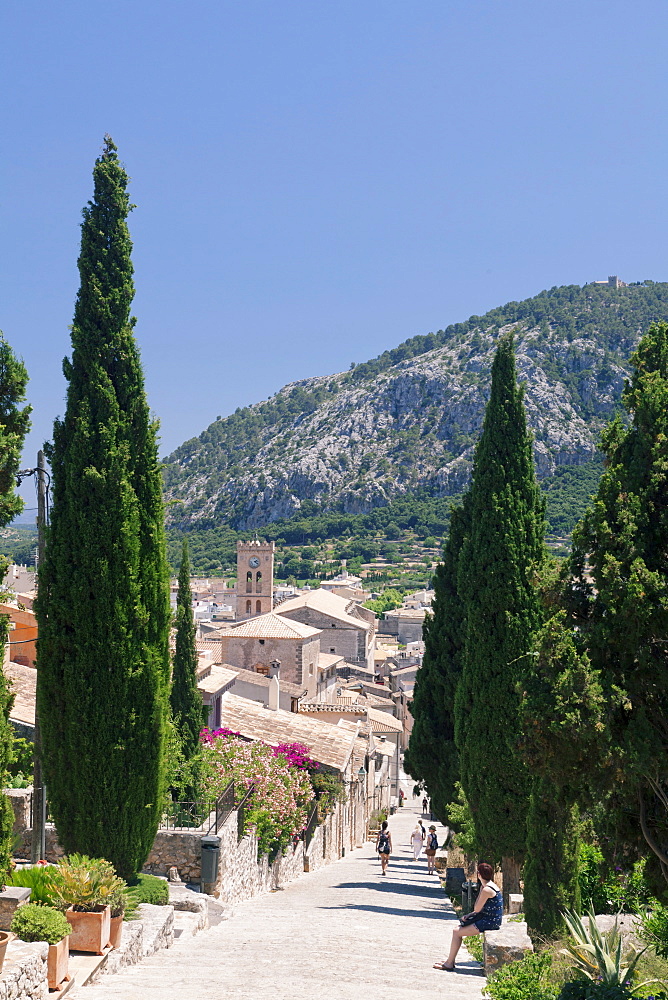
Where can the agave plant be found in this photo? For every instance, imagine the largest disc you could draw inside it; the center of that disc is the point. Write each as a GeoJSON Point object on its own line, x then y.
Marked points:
{"type": "Point", "coordinates": [85, 883]}
{"type": "Point", "coordinates": [598, 954]}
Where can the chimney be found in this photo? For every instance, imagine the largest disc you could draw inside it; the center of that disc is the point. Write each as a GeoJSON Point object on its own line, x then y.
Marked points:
{"type": "Point", "coordinates": [275, 668]}
{"type": "Point", "coordinates": [274, 693]}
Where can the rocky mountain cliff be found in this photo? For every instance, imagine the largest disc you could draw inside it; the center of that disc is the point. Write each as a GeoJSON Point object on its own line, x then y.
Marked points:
{"type": "Point", "coordinates": [409, 419]}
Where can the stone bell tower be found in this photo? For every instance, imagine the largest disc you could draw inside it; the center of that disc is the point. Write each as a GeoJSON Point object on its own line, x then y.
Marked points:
{"type": "Point", "coordinates": [255, 578]}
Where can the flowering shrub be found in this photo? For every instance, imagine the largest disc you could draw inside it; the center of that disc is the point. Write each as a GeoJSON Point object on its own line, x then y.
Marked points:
{"type": "Point", "coordinates": [279, 807]}
{"type": "Point", "coordinates": [297, 754]}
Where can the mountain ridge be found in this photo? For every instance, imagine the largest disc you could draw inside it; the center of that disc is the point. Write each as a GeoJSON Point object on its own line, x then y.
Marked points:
{"type": "Point", "coordinates": [408, 420]}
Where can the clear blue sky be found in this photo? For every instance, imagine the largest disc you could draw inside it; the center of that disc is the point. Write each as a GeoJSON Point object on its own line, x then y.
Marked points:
{"type": "Point", "coordinates": [316, 182]}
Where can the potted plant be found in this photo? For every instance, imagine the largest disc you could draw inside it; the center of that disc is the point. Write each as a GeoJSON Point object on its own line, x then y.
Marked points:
{"type": "Point", "coordinates": [82, 887]}
{"type": "Point", "coordinates": [34, 922]}
{"type": "Point", "coordinates": [118, 902]}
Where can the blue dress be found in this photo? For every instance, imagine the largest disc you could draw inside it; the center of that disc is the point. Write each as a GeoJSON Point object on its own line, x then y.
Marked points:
{"type": "Point", "coordinates": [491, 914]}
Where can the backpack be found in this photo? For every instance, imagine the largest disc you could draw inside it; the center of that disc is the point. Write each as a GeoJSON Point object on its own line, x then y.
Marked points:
{"type": "Point", "coordinates": [383, 844]}
{"type": "Point", "coordinates": [433, 842]}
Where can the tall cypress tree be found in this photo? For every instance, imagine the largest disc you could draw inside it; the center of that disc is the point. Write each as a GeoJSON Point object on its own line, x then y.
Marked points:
{"type": "Point", "coordinates": [496, 568]}
{"type": "Point", "coordinates": [185, 698]}
{"type": "Point", "coordinates": [14, 425]}
{"type": "Point", "coordinates": [102, 607]}
{"type": "Point", "coordinates": [618, 600]}
{"type": "Point", "coordinates": [432, 754]}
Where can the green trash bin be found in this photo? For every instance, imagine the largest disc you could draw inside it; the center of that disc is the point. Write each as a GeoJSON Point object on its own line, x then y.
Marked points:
{"type": "Point", "coordinates": [470, 892]}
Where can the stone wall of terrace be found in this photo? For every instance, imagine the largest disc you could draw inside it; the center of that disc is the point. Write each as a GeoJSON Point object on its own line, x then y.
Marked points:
{"type": "Point", "coordinates": [241, 874]}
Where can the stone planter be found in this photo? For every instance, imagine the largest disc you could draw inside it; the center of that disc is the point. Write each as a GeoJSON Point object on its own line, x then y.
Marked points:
{"type": "Point", "coordinates": [116, 932]}
{"type": "Point", "coordinates": [90, 931]}
{"type": "Point", "coordinates": [11, 897]}
{"type": "Point", "coordinates": [5, 938]}
{"type": "Point", "coordinates": [57, 963]}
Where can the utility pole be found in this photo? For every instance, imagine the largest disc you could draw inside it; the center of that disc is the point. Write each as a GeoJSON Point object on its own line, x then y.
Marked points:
{"type": "Point", "coordinates": [38, 846]}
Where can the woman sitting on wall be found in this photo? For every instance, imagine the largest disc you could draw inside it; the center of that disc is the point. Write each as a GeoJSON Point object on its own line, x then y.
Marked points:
{"type": "Point", "coordinates": [486, 915]}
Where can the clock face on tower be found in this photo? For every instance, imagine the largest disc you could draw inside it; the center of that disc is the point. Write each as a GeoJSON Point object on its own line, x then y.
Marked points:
{"type": "Point", "coordinates": [254, 562]}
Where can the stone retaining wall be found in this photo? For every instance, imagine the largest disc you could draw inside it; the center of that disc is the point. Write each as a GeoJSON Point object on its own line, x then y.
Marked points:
{"type": "Point", "coordinates": [24, 975]}
{"type": "Point", "coordinates": [241, 874]}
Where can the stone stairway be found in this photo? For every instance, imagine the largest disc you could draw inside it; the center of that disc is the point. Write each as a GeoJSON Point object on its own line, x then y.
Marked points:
{"type": "Point", "coordinates": [334, 932]}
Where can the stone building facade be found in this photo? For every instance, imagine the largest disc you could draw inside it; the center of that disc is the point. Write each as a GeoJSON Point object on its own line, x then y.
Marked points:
{"type": "Point", "coordinates": [256, 643]}
{"type": "Point", "coordinates": [344, 629]}
{"type": "Point", "coordinates": [255, 578]}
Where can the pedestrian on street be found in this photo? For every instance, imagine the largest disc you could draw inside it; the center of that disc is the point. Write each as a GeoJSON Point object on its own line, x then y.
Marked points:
{"type": "Point", "coordinates": [416, 841]}
{"type": "Point", "coordinates": [425, 803]}
{"type": "Point", "coordinates": [384, 846]}
{"type": "Point", "coordinates": [424, 832]}
{"type": "Point", "coordinates": [486, 915]}
{"type": "Point", "coordinates": [432, 847]}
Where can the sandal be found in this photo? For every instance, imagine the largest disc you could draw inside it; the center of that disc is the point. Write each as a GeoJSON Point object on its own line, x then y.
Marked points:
{"type": "Point", "coordinates": [444, 967]}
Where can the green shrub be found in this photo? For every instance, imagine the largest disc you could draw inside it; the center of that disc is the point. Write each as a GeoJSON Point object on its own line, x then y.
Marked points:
{"type": "Point", "coordinates": [149, 889]}
{"type": "Point", "coordinates": [23, 759]}
{"type": "Point", "coordinates": [39, 878]}
{"type": "Point", "coordinates": [654, 929]}
{"type": "Point", "coordinates": [610, 891]}
{"type": "Point", "coordinates": [33, 922]}
{"type": "Point", "coordinates": [84, 883]}
{"type": "Point", "coordinates": [527, 979]}
{"type": "Point", "coordinates": [474, 946]}
{"type": "Point", "coordinates": [582, 989]}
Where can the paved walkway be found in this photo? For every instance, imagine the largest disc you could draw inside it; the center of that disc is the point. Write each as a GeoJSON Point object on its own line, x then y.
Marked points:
{"type": "Point", "coordinates": [339, 933]}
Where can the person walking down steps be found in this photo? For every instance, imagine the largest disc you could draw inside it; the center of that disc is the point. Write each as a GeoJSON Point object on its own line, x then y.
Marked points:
{"type": "Point", "coordinates": [416, 841]}
{"type": "Point", "coordinates": [384, 846]}
{"type": "Point", "coordinates": [432, 847]}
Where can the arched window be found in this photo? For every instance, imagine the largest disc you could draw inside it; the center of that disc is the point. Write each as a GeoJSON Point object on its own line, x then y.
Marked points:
{"type": "Point", "coordinates": [249, 582]}
{"type": "Point", "coordinates": [258, 606]}
{"type": "Point", "coordinates": [248, 607]}
{"type": "Point", "coordinates": [258, 582]}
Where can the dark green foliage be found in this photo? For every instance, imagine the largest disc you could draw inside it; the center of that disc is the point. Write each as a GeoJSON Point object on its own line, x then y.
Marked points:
{"type": "Point", "coordinates": [23, 756]}
{"type": "Point", "coordinates": [497, 568]}
{"type": "Point", "coordinates": [19, 544]}
{"type": "Point", "coordinates": [611, 890]}
{"type": "Point", "coordinates": [560, 722]}
{"type": "Point", "coordinates": [654, 929]}
{"type": "Point", "coordinates": [149, 889]}
{"type": "Point", "coordinates": [618, 600]}
{"type": "Point", "coordinates": [103, 608]}
{"type": "Point", "coordinates": [39, 878]}
{"type": "Point", "coordinates": [14, 425]}
{"type": "Point", "coordinates": [585, 989]}
{"type": "Point", "coordinates": [527, 979]}
{"type": "Point", "coordinates": [551, 866]}
{"type": "Point", "coordinates": [185, 699]}
{"type": "Point", "coordinates": [432, 756]}
{"type": "Point", "coordinates": [32, 922]}
{"type": "Point", "coordinates": [329, 789]}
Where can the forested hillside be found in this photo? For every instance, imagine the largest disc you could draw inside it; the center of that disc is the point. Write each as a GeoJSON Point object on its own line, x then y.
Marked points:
{"type": "Point", "coordinates": [404, 424]}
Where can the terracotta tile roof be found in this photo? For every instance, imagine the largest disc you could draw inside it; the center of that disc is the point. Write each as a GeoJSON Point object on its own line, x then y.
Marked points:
{"type": "Point", "coordinates": [328, 604]}
{"type": "Point", "coordinates": [270, 626]}
{"type": "Point", "coordinates": [262, 680]}
{"type": "Point", "coordinates": [383, 722]}
{"type": "Point", "coordinates": [327, 660]}
{"type": "Point", "coordinates": [217, 679]}
{"type": "Point", "coordinates": [23, 684]}
{"type": "Point", "coordinates": [327, 743]}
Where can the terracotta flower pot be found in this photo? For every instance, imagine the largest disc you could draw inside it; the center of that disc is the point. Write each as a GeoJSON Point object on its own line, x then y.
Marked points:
{"type": "Point", "coordinates": [116, 931]}
{"type": "Point", "coordinates": [90, 931]}
{"type": "Point", "coordinates": [57, 963]}
{"type": "Point", "coordinates": [5, 938]}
